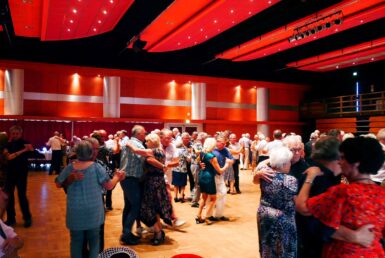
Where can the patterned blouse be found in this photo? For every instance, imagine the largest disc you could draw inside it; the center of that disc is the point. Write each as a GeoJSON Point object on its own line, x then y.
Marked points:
{"type": "Point", "coordinates": [352, 206]}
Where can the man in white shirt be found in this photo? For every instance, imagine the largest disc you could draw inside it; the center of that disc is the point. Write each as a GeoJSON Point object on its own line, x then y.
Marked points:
{"type": "Point", "coordinates": [235, 150]}
{"type": "Point", "coordinates": [172, 160]}
{"type": "Point", "coordinates": [277, 135]}
{"type": "Point", "coordinates": [55, 142]}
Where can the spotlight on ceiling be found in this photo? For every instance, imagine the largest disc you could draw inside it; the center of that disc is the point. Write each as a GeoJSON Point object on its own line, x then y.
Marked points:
{"type": "Point", "coordinates": [338, 21]}
{"type": "Point", "coordinates": [315, 26]}
{"type": "Point", "coordinates": [137, 44]}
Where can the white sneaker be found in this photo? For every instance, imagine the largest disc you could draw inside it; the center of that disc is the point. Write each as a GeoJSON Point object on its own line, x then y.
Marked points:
{"type": "Point", "coordinates": [179, 222]}
{"type": "Point", "coordinates": [141, 230]}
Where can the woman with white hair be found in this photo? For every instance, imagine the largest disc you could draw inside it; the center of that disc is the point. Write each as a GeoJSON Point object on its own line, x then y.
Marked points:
{"type": "Point", "coordinates": [207, 179]}
{"type": "Point", "coordinates": [276, 213]}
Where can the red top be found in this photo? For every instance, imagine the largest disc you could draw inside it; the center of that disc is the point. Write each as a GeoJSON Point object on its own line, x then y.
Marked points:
{"type": "Point", "coordinates": [352, 206]}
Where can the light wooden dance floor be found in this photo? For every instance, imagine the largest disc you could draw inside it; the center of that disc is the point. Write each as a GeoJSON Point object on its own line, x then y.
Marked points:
{"type": "Point", "coordinates": [49, 237]}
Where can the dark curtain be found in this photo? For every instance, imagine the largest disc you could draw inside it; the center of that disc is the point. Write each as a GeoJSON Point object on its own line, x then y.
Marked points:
{"type": "Point", "coordinates": [85, 128]}
{"type": "Point", "coordinates": [39, 131]}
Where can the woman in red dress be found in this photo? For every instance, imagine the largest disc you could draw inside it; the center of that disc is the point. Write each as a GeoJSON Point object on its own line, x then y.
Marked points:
{"type": "Point", "coordinates": [351, 205]}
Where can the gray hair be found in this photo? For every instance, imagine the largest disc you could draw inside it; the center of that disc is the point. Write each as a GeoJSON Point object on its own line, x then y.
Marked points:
{"type": "Point", "coordinates": [185, 134]}
{"type": "Point", "coordinates": [209, 144]}
{"type": "Point", "coordinates": [165, 131]}
{"type": "Point", "coordinates": [84, 150]}
{"type": "Point", "coordinates": [279, 157]}
{"type": "Point", "coordinates": [292, 140]}
{"type": "Point", "coordinates": [327, 148]}
{"type": "Point", "coordinates": [136, 129]}
{"type": "Point", "coordinates": [202, 136]}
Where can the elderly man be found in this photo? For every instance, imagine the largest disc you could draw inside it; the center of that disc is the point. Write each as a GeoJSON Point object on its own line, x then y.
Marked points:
{"type": "Point", "coordinates": [172, 160]}
{"type": "Point", "coordinates": [132, 164]}
{"type": "Point", "coordinates": [235, 150]}
{"type": "Point", "coordinates": [55, 142]}
{"type": "Point", "coordinates": [221, 153]}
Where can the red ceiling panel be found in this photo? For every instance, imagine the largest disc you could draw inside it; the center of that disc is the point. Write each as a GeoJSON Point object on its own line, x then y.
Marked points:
{"type": "Point", "coordinates": [354, 13]}
{"type": "Point", "coordinates": [64, 20]}
{"type": "Point", "coordinates": [352, 56]}
{"type": "Point", "coordinates": [26, 17]}
{"type": "Point", "coordinates": [180, 27]}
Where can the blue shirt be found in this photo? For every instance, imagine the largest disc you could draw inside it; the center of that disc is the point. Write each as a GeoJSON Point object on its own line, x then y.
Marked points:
{"type": "Point", "coordinates": [222, 155]}
{"type": "Point", "coordinates": [130, 162]}
{"type": "Point", "coordinates": [85, 209]}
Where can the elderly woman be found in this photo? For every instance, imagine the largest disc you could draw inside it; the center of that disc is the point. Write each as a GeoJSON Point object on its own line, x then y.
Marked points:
{"type": "Point", "coordinates": [156, 203]}
{"type": "Point", "coordinates": [85, 209]}
{"type": "Point", "coordinates": [276, 213]}
{"type": "Point", "coordinates": [351, 205]}
{"type": "Point", "coordinates": [207, 179]}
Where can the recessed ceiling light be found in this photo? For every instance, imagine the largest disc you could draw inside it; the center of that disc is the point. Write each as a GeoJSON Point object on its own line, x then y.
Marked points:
{"type": "Point", "coordinates": [71, 21]}
{"type": "Point", "coordinates": [189, 37]}
{"type": "Point", "coordinates": [215, 21]}
{"type": "Point", "coordinates": [178, 43]}
{"type": "Point", "coordinates": [231, 11]}
{"type": "Point", "coordinates": [94, 29]}
{"type": "Point", "coordinates": [104, 11]}
{"type": "Point", "coordinates": [361, 21]}
{"type": "Point", "coordinates": [206, 36]}
{"type": "Point", "coordinates": [337, 67]}
{"type": "Point", "coordinates": [372, 58]}
{"type": "Point", "coordinates": [74, 11]}
{"type": "Point", "coordinates": [68, 29]}
{"type": "Point", "coordinates": [249, 13]}
{"type": "Point", "coordinates": [269, 2]}
{"type": "Point", "coordinates": [99, 21]}
{"type": "Point", "coordinates": [201, 29]}
{"type": "Point", "coordinates": [233, 22]}
{"type": "Point", "coordinates": [111, 1]}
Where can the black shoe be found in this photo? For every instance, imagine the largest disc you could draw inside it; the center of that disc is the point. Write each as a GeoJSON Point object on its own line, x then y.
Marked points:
{"type": "Point", "coordinates": [195, 205]}
{"type": "Point", "coordinates": [157, 240]}
{"type": "Point", "coordinates": [10, 222]}
{"type": "Point", "coordinates": [109, 208]}
{"type": "Point", "coordinates": [223, 218]}
{"type": "Point", "coordinates": [129, 239]}
{"type": "Point", "coordinates": [176, 200]}
{"type": "Point", "coordinates": [28, 223]}
{"type": "Point", "coordinates": [239, 192]}
{"type": "Point", "coordinates": [181, 200]}
{"type": "Point", "coordinates": [211, 218]}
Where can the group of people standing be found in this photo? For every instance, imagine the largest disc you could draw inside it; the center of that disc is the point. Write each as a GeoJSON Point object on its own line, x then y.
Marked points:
{"type": "Point", "coordinates": [327, 206]}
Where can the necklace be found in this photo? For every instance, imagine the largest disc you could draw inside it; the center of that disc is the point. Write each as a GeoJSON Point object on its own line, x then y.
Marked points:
{"type": "Point", "coordinates": [361, 179]}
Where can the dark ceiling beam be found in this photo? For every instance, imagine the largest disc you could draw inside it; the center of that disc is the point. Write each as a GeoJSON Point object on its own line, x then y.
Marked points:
{"type": "Point", "coordinates": [6, 21]}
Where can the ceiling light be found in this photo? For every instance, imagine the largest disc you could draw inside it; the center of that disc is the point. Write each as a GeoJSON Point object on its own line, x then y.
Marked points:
{"type": "Point", "coordinates": [231, 11]}
{"type": "Point", "coordinates": [74, 11]}
{"type": "Point", "coordinates": [71, 21]}
{"type": "Point", "coordinates": [355, 73]}
{"type": "Point", "coordinates": [99, 21]}
{"type": "Point", "coordinates": [94, 29]}
{"type": "Point", "coordinates": [111, 1]}
{"type": "Point", "coordinates": [104, 11]}
{"type": "Point", "coordinates": [68, 29]}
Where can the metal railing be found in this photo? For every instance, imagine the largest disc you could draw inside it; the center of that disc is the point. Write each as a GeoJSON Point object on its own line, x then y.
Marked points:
{"type": "Point", "coordinates": [346, 106]}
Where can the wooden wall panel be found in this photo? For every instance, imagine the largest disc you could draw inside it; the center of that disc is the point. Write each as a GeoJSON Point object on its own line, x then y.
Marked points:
{"type": "Point", "coordinates": [285, 97]}
{"type": "Point", "coordinates": [62, 82]}
{"type": "Point", "coordinates": [283, 115]}
{"type": "Point", "coordinates": [62, 109]}
{"type": "Point", "coordinates": [346, 124]}
{"type": "Point", "coordinates": [152, 87]}
{"type": "Point", "coordinates": [230, 114]}
{"type": "Point", "coordinates": [154, 112]}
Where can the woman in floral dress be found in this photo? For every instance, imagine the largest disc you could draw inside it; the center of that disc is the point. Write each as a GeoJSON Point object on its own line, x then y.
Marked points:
{"type": "Point", "coordinates": [276, 213]}
{"type": "Point", "coordinates": [156, 203]}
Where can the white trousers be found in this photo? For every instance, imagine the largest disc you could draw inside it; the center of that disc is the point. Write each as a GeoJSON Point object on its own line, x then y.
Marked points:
{"type": "Point", "coordinates": [221, 196]}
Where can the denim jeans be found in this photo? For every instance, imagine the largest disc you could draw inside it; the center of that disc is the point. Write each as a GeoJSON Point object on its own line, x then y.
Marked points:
{"type": "Point", "coordinates": [77, 239]}
{"type": "Point", "coordinates": [132, 200]}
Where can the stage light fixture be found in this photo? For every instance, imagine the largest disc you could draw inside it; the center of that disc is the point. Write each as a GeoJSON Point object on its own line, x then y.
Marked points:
{"type": "Point", "coordinates": [315, 26]}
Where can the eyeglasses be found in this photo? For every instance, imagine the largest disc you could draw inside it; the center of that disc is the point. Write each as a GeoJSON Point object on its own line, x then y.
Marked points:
{"type": "Point", "coordinates": [295, 150]}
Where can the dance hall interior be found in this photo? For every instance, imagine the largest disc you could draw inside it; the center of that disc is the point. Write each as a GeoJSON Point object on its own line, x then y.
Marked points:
{"type": "Point", "coordinates": [187, 129]}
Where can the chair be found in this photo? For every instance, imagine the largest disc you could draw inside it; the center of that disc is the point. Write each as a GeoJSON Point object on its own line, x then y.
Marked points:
{"type": "Point", "coordinates": [118, 252]}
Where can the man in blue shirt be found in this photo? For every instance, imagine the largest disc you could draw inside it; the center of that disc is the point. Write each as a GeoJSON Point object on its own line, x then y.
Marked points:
{"type": "Point", "coordinates": [222, 153]}
{"type": "Point", "coordinates": [132, 164]}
